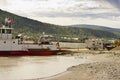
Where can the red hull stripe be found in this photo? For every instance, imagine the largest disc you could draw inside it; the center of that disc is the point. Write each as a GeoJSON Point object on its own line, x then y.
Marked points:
{"type": "Point", "coordinates": [27, 53]}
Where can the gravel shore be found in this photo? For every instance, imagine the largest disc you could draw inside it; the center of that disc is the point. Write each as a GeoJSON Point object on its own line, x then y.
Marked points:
{"type": "Point", "coordinates": [100, 67]}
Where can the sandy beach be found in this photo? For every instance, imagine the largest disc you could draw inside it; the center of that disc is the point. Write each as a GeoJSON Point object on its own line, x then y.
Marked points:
{"type": "Point", "coordinates": [100, 66]}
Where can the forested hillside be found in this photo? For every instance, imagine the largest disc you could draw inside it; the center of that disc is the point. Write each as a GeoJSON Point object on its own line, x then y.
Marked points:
{"type": "Point", "coordinates": [96, 27]}
{"type": "Point", "coordinates": [33, 27]}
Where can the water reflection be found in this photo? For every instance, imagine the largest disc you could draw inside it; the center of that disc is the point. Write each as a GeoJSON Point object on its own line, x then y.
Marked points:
{"type": "Point", "coordinates": [17, 68]}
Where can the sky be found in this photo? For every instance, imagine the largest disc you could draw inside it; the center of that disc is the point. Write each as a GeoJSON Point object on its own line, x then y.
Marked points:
{"type": "Point", "coordinates": [67, 12]}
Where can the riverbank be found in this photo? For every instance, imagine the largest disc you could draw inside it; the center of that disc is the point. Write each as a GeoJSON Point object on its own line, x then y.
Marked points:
{"type": "Point", "coordinates": [101, 65]}
{"type": "Point", "coordinates": [87, 51]}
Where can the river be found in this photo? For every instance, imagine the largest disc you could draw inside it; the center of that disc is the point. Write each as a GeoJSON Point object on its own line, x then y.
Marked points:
{"type": "Point", "coordinates": [33, 67]}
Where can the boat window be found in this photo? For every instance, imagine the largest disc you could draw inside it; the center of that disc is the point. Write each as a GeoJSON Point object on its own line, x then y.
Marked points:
{"type": "Point", "coordinates": [45, 43]}
{"type": "Point", "coordinates": [4, 41]}
{"type": "Point", "coordinates": [8, 31]}
{"type": "Point", "coordinates": [3, 30]}
{"type": "Point", "coordinates": [0, 31]}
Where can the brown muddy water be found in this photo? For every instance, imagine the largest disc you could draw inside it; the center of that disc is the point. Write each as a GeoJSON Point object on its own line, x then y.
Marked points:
{"type": "Point", "coordinates": [33, 67]}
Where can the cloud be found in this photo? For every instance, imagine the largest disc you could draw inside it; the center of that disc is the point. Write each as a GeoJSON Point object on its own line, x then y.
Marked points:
{"type": "Point", "coordinates": [3, 2]}
{"type": "Point", "coordinates": [83, 8]}
{"type": "Point", "coordinates": [115, 3]}
{"type": "Point", "coordinates": [66, 9]}
{"type": "Point", "coordinates": [106, 16]}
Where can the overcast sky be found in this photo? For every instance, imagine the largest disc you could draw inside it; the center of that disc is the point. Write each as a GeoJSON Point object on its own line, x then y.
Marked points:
{"type": "Point", "coordinates": [67, 12]}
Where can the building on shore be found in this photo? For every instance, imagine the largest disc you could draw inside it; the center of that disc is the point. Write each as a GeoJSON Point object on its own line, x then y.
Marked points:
{"type": "Point", "coordinates": [95, 44]}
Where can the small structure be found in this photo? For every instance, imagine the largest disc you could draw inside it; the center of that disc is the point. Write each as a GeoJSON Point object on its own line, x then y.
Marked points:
{"type": "Point", "coordinates": [94, 44]}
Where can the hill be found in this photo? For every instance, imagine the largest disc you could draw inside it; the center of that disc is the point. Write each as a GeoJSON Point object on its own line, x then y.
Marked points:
{"type": "Point", "coordinates": [29, 26]}
{"type": "Point", "coordinates": [96, 27]}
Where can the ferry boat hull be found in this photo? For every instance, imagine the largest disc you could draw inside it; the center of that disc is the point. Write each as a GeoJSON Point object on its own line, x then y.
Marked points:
{"type": "Point", "coordinates": [42, 52]}
{"type": "Point", "coordinates": [28, 53]}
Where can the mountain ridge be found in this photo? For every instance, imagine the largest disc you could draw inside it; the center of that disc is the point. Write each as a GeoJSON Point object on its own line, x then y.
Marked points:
{"type": "Point", "coordinates": [97, 27]}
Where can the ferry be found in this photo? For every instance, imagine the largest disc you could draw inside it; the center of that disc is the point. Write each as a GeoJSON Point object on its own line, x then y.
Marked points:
{"type": "Point", "coordinates": [10, 46]}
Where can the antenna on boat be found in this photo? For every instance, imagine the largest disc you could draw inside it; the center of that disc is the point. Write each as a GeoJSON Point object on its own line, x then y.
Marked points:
{"type": "Point", "coordinates": [43, 33]}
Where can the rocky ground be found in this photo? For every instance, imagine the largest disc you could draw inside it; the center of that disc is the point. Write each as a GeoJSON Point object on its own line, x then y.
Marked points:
{"type": "Point", "coordinates": [100, 66]}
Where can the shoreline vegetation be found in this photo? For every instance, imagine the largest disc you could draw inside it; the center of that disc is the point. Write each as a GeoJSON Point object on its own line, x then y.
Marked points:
{"type": "Point", "coordinates": [101, 65]}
